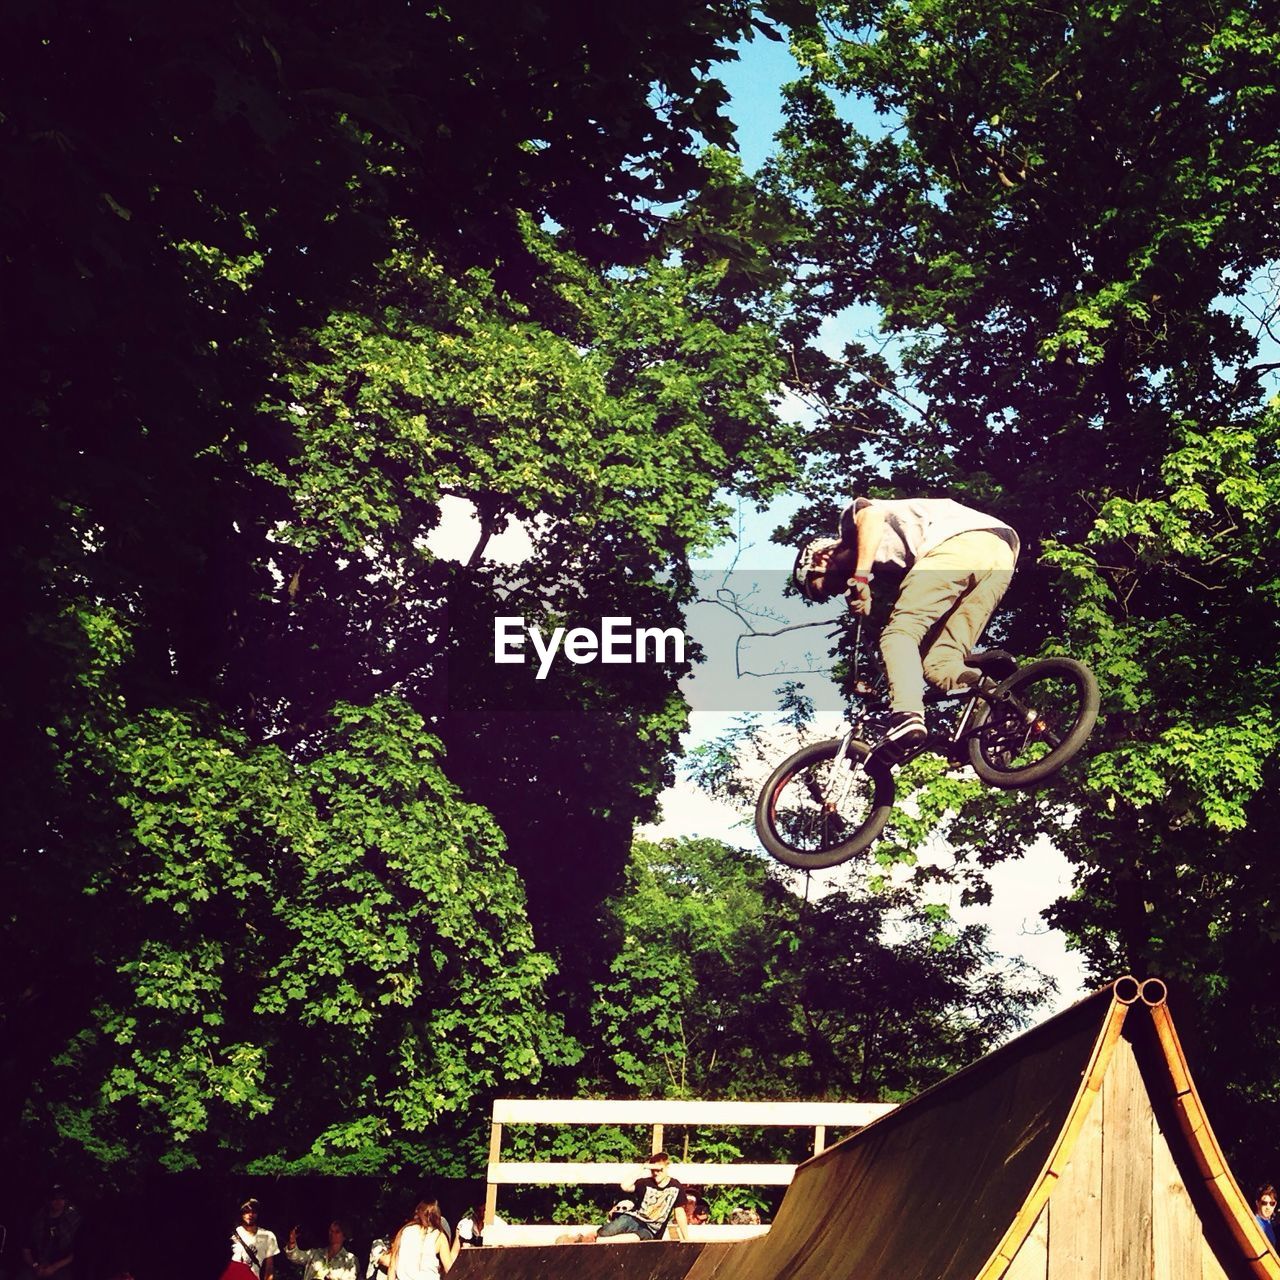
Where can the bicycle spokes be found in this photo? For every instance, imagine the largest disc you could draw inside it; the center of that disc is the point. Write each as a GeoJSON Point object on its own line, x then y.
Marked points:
{"type": "Point", "coordinates": [816, 806]}
{"type": "Point", "coordinates": [1028, 722]}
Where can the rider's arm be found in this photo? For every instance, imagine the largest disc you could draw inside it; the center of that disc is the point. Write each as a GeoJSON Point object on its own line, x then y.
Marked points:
{"type": "Point", "coordinates": [869, 525]}
{"type": "Point", "coordinates": [869, 521]}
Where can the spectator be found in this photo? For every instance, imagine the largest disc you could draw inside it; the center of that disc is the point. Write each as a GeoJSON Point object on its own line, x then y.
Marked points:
{"type": "Point", "coordinates": [50, 1248]}
{"type": "Point", "coordinates": [422, 1249]}
{"type": "Point", "coordinates": [746, 1217]}
{"type": "Point", "coordinates": [697, 1211]}
{"type": "Point", "coordinates": [380, 1253]}
{"type": "Point", "coordinates": [336, 1262]}
{"type": "Point", "coordinates": [251, 1245]}
{"type": "Point", "coordinates": [379, 1259]}
{"type": "Point", "coordinates": [471, 1229]}
{"type": "Point", "coordinates": [661, 1200]}
{"type": "Point", "coordinates": [1264, 1208]}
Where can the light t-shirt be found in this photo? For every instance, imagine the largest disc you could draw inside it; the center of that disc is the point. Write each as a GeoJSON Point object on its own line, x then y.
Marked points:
{"type": "Point", "coordinates": [916, 526]}
{"type": "Point", "coordinates": [376, 1250]}
{"type": "Point", "coordinates": [419, 1258]}
{"type": "Point", "coordinates": [467, 1229]}
{"type": "Point", "coordinates": [264, 1243]}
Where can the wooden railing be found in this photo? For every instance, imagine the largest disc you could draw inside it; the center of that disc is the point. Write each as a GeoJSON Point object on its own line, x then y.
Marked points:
{"type": "Point", "coordinates": [658, 1114]}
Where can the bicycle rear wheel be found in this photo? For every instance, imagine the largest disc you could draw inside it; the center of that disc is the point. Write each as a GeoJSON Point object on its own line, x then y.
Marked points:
{"type": "Point", "coordinates": [1035, 722]}
{"type": "Point", "coordinates": [812, 815]}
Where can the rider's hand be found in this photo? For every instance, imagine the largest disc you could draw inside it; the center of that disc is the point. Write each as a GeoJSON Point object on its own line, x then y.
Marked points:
{"type": "Point", "coordinates": [859, 597]}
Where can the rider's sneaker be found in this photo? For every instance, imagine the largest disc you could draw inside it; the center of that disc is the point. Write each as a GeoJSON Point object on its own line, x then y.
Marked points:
{"type": "Point", "coordinates": [904, 729]}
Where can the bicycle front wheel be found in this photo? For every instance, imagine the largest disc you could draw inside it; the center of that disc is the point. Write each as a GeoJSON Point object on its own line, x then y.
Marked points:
{"type": "Point", "coordinates": [1035, 722]}
{"type": "Point", "coordinates": [812, 814]}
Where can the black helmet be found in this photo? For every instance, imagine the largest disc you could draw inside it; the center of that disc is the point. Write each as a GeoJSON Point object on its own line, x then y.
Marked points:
{"type": "Point", "coordinates": [805, 570]}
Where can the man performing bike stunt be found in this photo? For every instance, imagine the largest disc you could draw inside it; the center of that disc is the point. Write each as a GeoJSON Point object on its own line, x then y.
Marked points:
{"type": "Point", "coordinates": [958, 564]}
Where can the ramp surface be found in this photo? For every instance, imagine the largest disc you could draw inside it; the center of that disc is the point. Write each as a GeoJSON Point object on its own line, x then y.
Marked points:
{"type": "Point", "coordinates": [949, 1185]}
{"type": "Point", "coordinates": [929, 1191]}
{"type": "Point", "coordinates": [665, 1260]}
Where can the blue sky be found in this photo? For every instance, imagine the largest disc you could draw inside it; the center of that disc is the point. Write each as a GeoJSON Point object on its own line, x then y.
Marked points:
{"type": "Point", "coordinates": [755, 86]}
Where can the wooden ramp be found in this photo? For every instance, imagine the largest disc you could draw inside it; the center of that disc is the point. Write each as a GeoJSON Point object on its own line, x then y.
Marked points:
{"type": "Point", "coordinates": [1078, 1150]}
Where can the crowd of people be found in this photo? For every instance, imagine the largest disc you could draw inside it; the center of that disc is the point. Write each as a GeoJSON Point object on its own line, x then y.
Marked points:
{"type": "Point", "coordinates": [427, 1246]}
{"type": "Point", "coordinates": [424, 1248]}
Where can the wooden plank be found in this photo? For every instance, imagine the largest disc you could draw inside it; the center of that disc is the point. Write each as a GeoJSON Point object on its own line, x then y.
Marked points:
{"type": "Point", "coordinates": [491, 1188]}
{"type": "Point", "coordinates": [1031, 1262]}
{"type": "Point", "coordinates": [1126, 1169]}
{"type": "Point", "coordinates": [547, 1232]}
{"type": "Point", "coordinates": [546, 1173]}
{"type": "Point", "coordinates": [1075, 1205]}
{"type": "Point", "coordinates": [1237, 1214]}
{"type": "Point", "coordinates": [819, 1139]}
{"type": "Point", "coordinates": [655, 1139]}
{"type": "Point", "coordinates": [1210, 1267]}
{"type": "Point", "coordinates": [797, 1115]}
{"type": "Point", "coordinates": [1176, 1233]}
{"type": "Point", "coordinates": [1087, 1096]}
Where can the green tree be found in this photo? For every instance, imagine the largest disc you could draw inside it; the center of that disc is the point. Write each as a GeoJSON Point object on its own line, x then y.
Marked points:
{"type": "Point", "coordinates": [287, 281]}
{"type": "Point", "coordinates": [1067, 231]}
{"type": "Point", "coordinates": [254, 920]}
{"type": "Point", "coordinates": [723, 983]}
{"type": "Point", "coordinates": [606, 412]}
{"type": "Point", "coordinates": [726, 984]}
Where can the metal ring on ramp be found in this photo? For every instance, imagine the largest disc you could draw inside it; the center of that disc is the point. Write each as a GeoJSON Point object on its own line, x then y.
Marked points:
{"type": "Point", "coordinates": [1154, 992]}
{"type": "Point", "coordinates": [1127, 989]}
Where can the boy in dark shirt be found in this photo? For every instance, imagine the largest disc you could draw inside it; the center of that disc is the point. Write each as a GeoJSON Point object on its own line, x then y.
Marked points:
{"type": "Point", "coordinates": [659, 1198]}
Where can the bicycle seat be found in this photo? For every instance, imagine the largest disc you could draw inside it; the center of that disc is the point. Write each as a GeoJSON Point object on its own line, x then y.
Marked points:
{"type": "Point", "coordinates": [995, 663]}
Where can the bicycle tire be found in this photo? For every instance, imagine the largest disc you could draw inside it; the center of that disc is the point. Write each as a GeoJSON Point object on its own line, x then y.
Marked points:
{"type": "Point", "coordinates": [1007, 750]}
{"type": "Point", "coordinates": [795, 827]}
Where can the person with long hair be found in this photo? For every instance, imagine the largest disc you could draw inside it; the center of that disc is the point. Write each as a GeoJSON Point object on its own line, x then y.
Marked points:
{"type": "Point", "coordinates": [422, 1250]}
{"type": "Point", "coordinates": [472, 1228]}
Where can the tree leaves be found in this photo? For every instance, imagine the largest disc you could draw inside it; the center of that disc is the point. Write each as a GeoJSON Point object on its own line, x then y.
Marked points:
{"type": "Point", "coordinates": [1062, 222]}
{"type": "Point", "coordinates": [725, 985]}
{"type": "Point", "coordinates": [349, 912]}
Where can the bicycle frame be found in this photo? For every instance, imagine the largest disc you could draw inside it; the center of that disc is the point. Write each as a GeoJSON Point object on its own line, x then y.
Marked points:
{"type": "Point", "coordinates": [1016, 727]}
{"type": "Point", "coordinates": [874, 694]}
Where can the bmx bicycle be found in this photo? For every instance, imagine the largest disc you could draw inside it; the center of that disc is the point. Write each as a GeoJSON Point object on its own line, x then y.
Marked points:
{"type": "Point", "coordinates": [1016, 728]}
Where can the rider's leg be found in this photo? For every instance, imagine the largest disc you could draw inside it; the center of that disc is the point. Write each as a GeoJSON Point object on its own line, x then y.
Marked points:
{"type": "Point", "coordinates": [928, 592]}
{"type": "Point", "coordinates": [988, 560]}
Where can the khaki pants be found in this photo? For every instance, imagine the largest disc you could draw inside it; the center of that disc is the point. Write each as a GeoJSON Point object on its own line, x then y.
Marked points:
{"type": "Point", "coordinates": [946, 600]}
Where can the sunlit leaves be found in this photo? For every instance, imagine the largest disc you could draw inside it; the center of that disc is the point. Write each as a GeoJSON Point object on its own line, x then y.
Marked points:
{"type": "Point", "coordinates": [337, 911]}
{"type": "Point", "coordinates": [1067, 220]}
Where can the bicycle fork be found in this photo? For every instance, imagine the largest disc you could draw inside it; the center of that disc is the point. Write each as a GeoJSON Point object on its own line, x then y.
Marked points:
{"type": "Point", "coordinates": [841, 780]}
